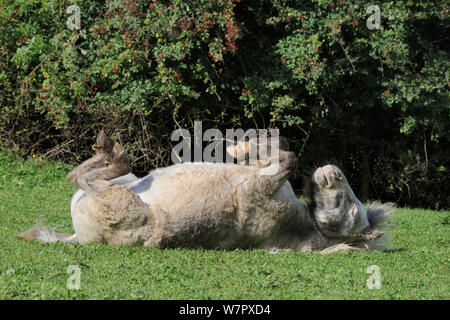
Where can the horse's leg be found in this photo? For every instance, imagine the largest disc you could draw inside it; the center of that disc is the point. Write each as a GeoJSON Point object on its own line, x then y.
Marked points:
{"type": "Point", "coordinates": [275, 163]}
{"type": "Point", "coordinates": [278, 172]}
{"type": "Point", "coordinates": [260, 215]}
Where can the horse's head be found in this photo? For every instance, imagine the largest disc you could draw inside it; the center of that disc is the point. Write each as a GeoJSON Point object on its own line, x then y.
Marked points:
{"type": "Point", "coordinates": [338, 212]}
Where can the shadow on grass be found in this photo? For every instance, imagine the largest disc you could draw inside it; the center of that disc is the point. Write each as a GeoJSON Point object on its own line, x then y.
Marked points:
{"type": "Point", "coordinates": [394, 250]}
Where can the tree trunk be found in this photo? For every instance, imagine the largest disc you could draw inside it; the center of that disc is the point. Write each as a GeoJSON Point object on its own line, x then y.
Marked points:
{"type": "Point", "coordinates": [364, 178]}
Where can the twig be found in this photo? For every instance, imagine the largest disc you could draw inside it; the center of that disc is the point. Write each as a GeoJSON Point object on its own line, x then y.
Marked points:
{"type": "Point", "coordinates": [40, 64]}
{"type": "Point", "coordinates": [345, 51]}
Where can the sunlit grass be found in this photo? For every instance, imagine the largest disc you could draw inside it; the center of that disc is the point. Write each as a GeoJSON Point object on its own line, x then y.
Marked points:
{"type": "Point", "coordinates": [34, 190]}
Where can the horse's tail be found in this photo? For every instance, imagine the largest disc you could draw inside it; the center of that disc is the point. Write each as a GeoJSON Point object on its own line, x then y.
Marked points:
{"type": "Point", "coordinates": [43, 234]}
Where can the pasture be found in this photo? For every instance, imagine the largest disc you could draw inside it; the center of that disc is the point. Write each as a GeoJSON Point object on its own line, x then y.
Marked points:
{"type": "Point", "coordinates": [35, 190]}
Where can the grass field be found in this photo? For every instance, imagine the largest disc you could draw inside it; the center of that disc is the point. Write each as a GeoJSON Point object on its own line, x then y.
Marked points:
{"type": "Point", "coordinates": [33, 190]}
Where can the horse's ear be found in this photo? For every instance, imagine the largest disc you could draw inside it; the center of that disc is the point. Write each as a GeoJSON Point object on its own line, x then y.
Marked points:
{"type": "Point", "coordinates": [118, 151]}
{"type": "Point", "coordinates": [101, 137]}
{"type": "Point", "coordinates": [103, 143]}
{"type": "Point", "coordinates": [117, 148]}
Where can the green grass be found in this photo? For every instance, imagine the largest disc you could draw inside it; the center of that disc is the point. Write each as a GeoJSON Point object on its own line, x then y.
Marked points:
{"type": "Point", "coordinates": [34, 190]}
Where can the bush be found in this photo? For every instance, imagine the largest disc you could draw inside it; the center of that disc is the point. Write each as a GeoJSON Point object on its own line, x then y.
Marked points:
{"type": "Point", "coordinates": [376, 102]}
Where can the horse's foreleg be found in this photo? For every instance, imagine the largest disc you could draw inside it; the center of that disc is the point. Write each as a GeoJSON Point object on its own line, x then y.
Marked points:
{"type": "Point", "coordinates": [278, 172]}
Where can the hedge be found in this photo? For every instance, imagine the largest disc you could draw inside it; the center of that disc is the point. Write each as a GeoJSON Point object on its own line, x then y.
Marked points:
{"type": "Point", "coordinates": [374, 101]}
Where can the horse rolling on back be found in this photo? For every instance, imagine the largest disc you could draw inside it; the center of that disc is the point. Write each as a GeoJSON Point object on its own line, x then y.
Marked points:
{"type": "Point", "coordinates": [215, 206]}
